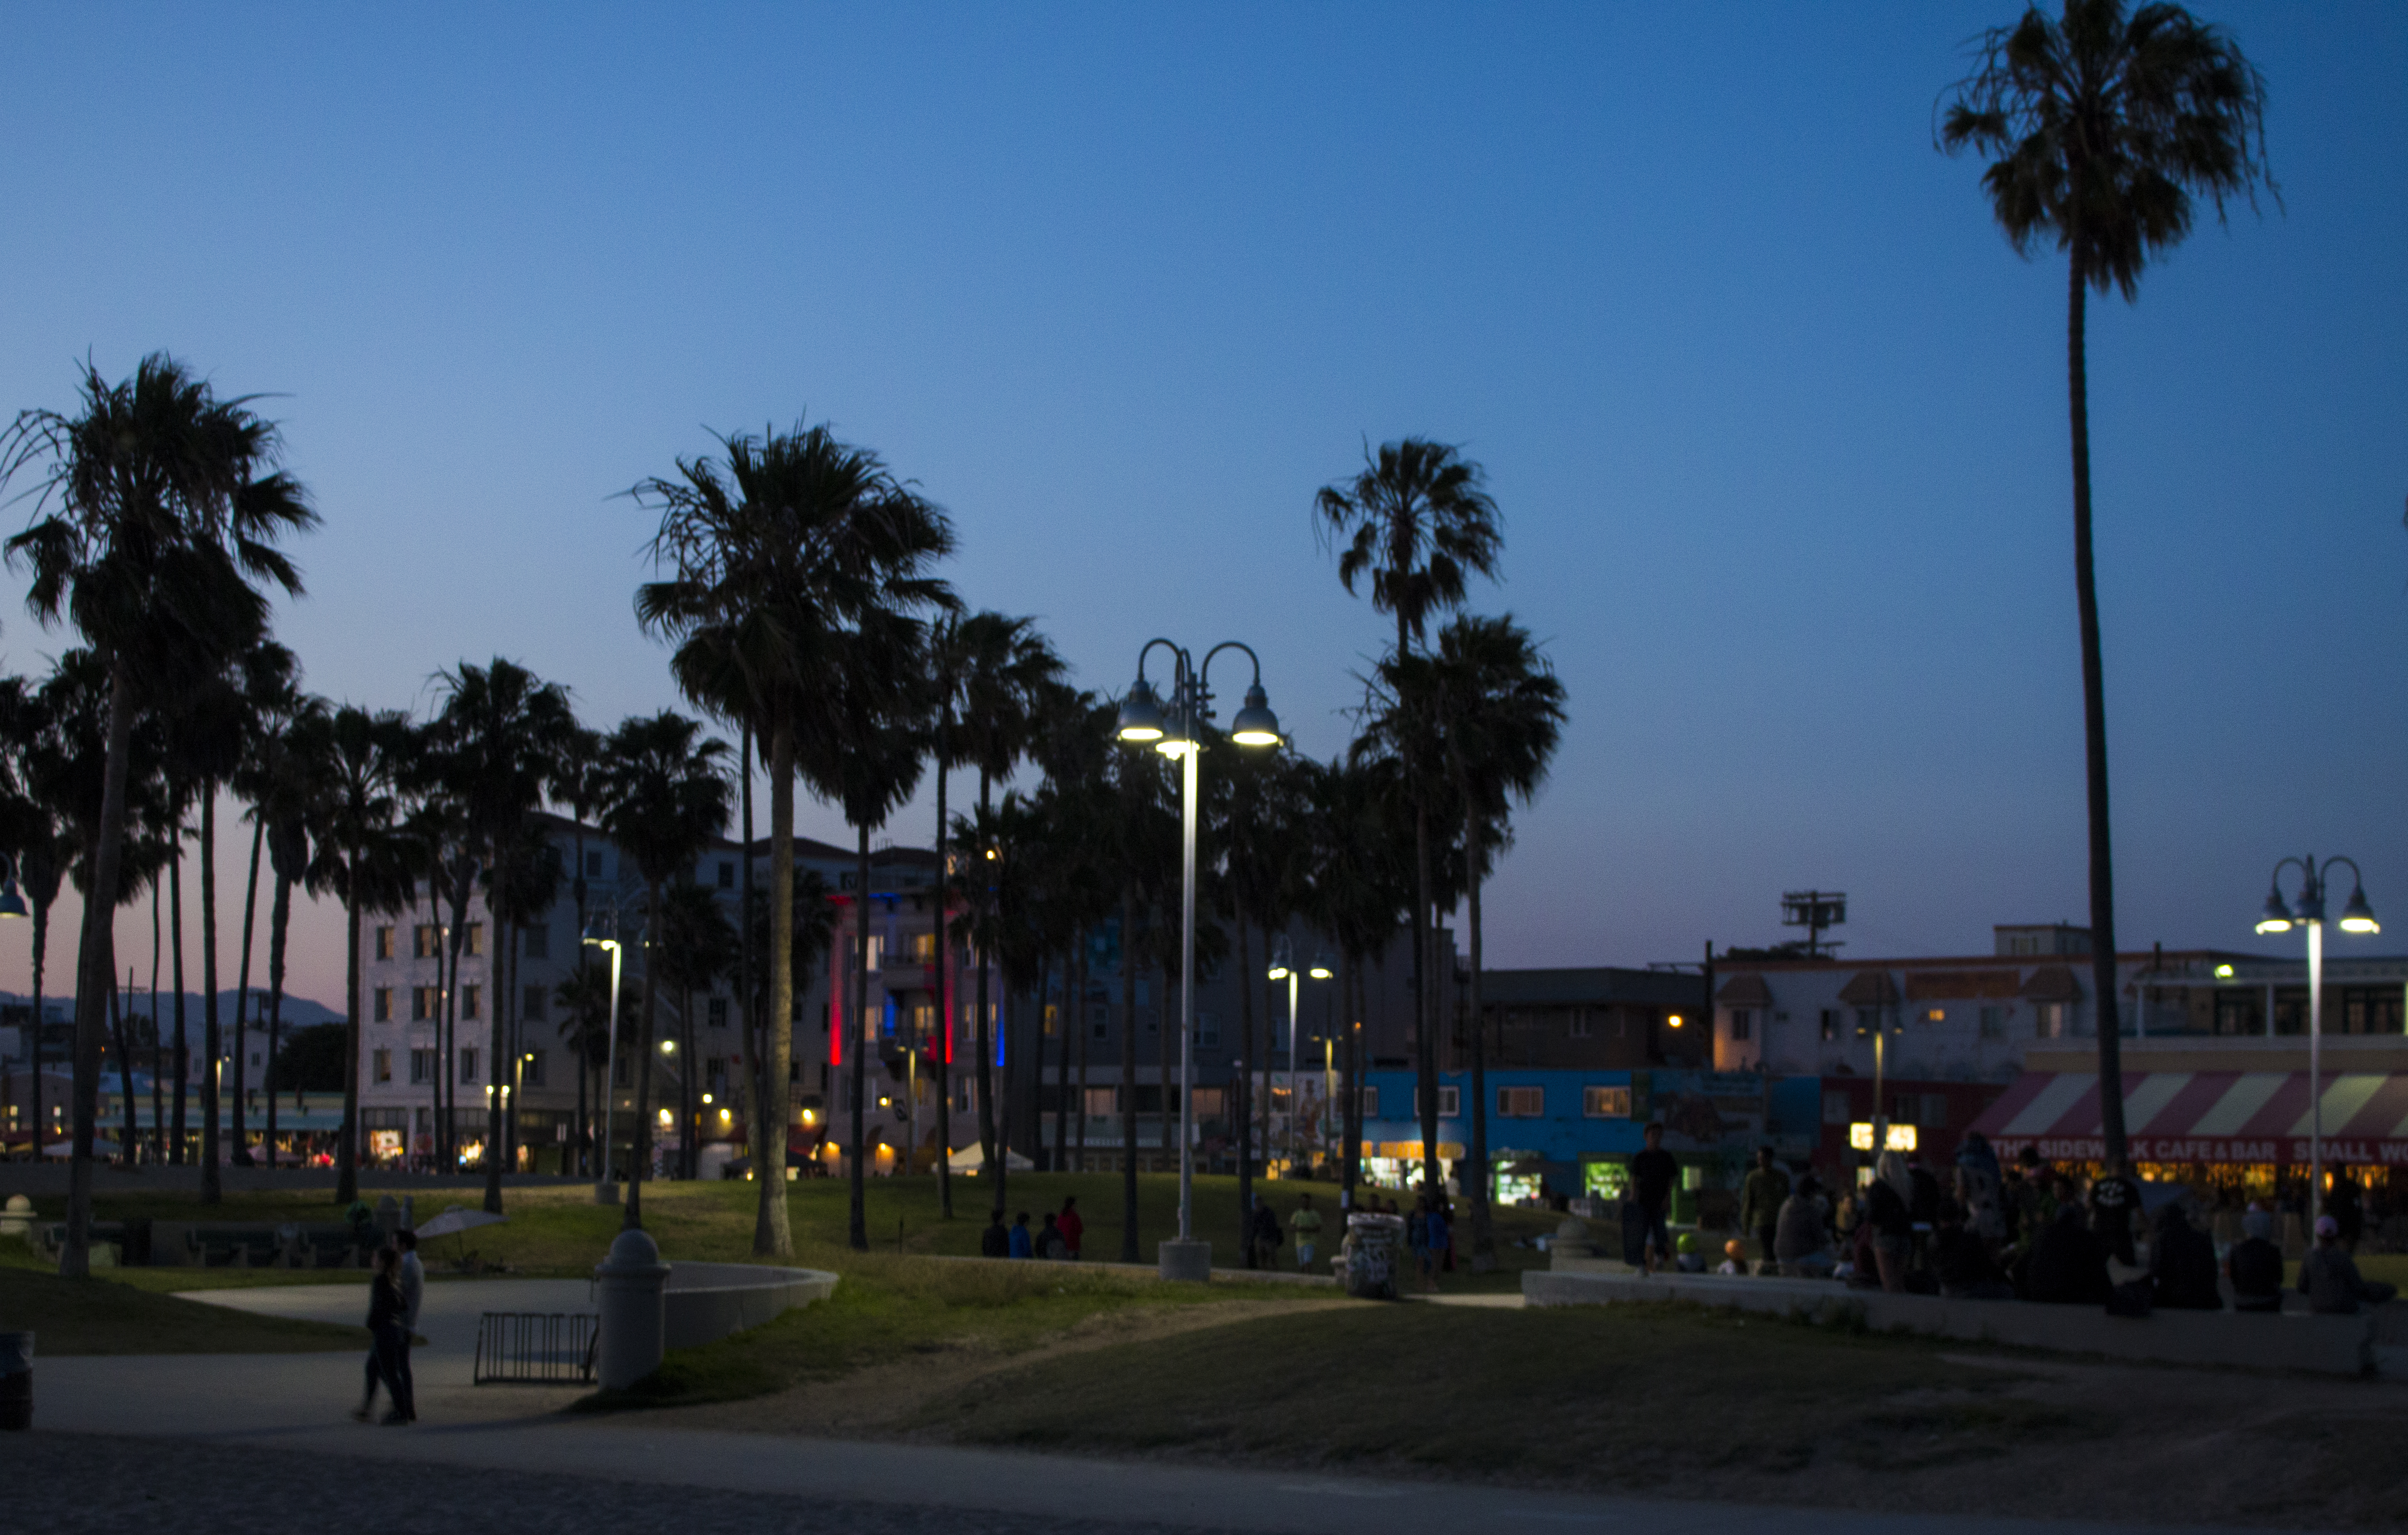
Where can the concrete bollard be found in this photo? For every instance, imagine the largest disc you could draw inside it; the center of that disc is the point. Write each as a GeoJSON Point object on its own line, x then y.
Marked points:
{"type": "Point", "coordinates": [17, 1218]}
{"type": "Point", "coordinates": [635, 1309]}
{"type": "Point", "coordinates": [1185, 1260]}
{"type": "Point", "coordinates": [16, 1381]}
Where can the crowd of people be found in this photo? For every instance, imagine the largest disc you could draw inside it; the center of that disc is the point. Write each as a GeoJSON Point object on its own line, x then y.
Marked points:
{"type": "Point", "coordinates": [1977, 1230]}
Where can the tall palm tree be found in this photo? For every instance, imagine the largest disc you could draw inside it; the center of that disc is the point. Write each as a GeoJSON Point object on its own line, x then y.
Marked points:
{"type": "Point", "coordinates": [770, 552]}
{"type": "Point", "coordinates": [2105, 126]}
{"type": "Point", "coordinates": [160, 507]}
{"type": "Point", "coordinates": [998, 674]}
{"type": "Point", "coordinates": [270, 692]}
{"type": "Point", "coordinates": [1417, 522]}
{"type": "Point", "coordinates": [365, 860]}
{"type": "Point", "coordinates": [868, 758]}
{"type": "Point", "coordinates": [524, 882]}
{"type": "Point", "coordinates": [500, 731]}
{"type": "Point", "coordinates": [577, 782]}
{"type": "Point", "coordinates": [31, 832]}
{"type": "Point", "coordinates": [697, 951]}
{"type": "Point", "coordinates": [290, 798]}
{"type": "Point", "coordinates": [1500, 713]}
{"type": "Point", "coordinates": [666, 797]}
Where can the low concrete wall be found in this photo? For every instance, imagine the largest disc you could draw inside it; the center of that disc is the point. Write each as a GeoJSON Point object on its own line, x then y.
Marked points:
{"type": "Point", "coordinates": [1150, 1271]}
{"type": "Point", "coordinates": [2334, 1345]}
{"type": "Point", "coordinates": [49, 1180]}
{"type": "Point", "coordinates": [706, 1301]}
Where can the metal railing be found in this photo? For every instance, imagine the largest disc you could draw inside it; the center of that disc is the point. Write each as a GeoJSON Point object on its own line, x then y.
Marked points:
{"type": "Point", "coordinates": [536, 1348]}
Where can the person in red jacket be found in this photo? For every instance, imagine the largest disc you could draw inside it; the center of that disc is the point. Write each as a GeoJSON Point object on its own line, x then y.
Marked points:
{"type": "Point", "coordinates": [1071, 1227]}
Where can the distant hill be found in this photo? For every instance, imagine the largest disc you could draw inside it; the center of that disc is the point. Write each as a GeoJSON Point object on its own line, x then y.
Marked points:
{"type": "Point", "coordinates": [300, 1012]}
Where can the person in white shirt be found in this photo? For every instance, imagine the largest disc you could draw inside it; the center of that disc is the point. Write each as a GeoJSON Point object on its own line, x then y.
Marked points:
{"type": "Point", "coordinates": [413, 1291]}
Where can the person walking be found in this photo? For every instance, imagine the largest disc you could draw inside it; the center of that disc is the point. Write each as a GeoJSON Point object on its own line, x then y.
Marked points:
{"type": "Point", "coordinates": [1074, 1229]}
{"type": "Point", "coordinates": [1437, 1237]}
{"type": "Point", "coordinates": [1306, 1224]}
{"type": "Point", "coordinates": [1263, 1232]}
{"type": "Point", "coordinates": [411, 1276]}
{"type": "Point", "coordinates": [1760, 1198]}
{"type": "Point", "coordinates": [1653, 1173]}
{"type": "Point", "coordinates": [1022, 1245]}
{"type": "Point", "coordinates": [385, 1341]}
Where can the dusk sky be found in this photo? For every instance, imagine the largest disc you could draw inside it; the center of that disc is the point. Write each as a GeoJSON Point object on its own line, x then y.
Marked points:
{"type": "Point", "coordinates": [1775, 417]}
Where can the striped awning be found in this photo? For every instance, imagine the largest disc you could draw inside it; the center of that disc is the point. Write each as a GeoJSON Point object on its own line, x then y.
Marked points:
{"type": "Point", "coordinates": [2206, 1116]}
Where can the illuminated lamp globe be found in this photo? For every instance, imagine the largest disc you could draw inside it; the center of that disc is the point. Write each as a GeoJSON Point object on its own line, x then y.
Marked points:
{"type": "Point", "coordinates": [2358, 917]}
{"type": "Point", "coordinates": [1140, 714]}
{"type": "Point", "coordinates": [2277, 916]}
{"type": "Point", "coordinates": [1256, 725]}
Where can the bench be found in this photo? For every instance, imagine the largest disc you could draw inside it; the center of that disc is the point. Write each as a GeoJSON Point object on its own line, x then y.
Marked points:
{"type": "Point", "coordinates": [2331, 1345]}
{"type": "Point", "coordinates": [216, 1246]}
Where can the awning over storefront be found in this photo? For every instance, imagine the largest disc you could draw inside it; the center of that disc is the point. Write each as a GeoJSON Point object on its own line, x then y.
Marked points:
{"type": "Point", "coordinates": [2206, 1116]}
{"type": "Point", "coordinates": [1745, 990]}
{"type": "Point", "coordinates": [1869, 989]}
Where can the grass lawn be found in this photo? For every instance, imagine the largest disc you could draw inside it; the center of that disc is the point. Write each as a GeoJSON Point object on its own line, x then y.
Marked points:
{"type": "Point", "coordinates": [67, 1316]}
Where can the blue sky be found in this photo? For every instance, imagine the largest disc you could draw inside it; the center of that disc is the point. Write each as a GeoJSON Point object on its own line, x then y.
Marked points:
{"type": "Point", "coordinates": [1775, 417]}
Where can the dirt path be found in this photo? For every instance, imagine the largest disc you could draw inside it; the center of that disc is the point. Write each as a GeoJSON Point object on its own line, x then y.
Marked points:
{"type": "Point", "coordinates": [872, 1402]}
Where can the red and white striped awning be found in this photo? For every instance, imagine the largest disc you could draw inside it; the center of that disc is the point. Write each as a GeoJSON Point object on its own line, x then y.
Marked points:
{"type": "Point", "coordinates": [2205, 1116]}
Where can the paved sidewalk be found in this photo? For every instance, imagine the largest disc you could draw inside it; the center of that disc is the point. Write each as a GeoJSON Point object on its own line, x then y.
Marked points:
{"type": "Point", "coordinates": [293, 1405]}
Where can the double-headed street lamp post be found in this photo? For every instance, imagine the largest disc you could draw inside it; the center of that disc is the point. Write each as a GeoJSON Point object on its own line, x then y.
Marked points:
{"type": "Point", "coordinates": [602, 933]}
{"type": "Point", "coordinates": [2309, 911]}
{"type": "Point", "coordinates": [1284, 968]}
{"type": "Point", "coordinates": [1176, 729]}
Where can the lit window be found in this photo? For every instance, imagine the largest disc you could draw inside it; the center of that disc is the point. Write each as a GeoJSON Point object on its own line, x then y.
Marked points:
{"type": "Point", "coordinates": [1605, 1102]}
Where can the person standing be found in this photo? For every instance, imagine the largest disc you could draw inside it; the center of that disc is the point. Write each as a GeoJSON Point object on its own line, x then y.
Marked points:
{"type": "Point", "coordinates": [1022, 1245]}
{"type": "Point", "coordinates": [385, 1340]}
{"type": "Point", "coordinates": [1306, 1224]}
{"type": "Point", "coordinates": [1437, 1236]}
{"type": "Point", "coordinates": [2114, 1201]}
{"type": "Point", "coordinates": [1760, 1198]}
{"type": "Point", "coordinates": [1653, 1173]}
{"type": "Point", "coordinates": [412, 1279]}
{"type": "Point", "coordinates": [994, 1241]}
{"type": "Point", "coordinates": [1263, 1231]}
{"type": "Point", "coordinates": [1050, 1245]}
{"type": "Point", "coordinates": [1889, 1211]}
{"type": "Point", "coordinates": [1074, 1230]}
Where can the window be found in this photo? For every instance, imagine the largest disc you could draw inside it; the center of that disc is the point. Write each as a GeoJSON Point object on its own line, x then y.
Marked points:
{"type": "Point", "coordinates": [380, 1005]}
{"type": "Point", "coordinates": [594, 865]}
{"type": "Point", "coordinates": [1742, 1023]}
{"type": "Point", "coordinates": [468, 1064]}
{"type": "Point", "coordinates": [2049, 1022]}
{"type": "Point", "coordinates": [1936, 1015]}
{"type": "Point", "coordinates": [1606, 1102]}
{"type": "Point", "coordinates": [1994, 1022]}
{"type": "Point", "coordinates": [1208, 1034]}
{"type": "Point", "coordinates": [1370, 1107]}
{"type": "Point", "coordinates": [426, 1002]}
{"type": "Point", "coordinates": [726, 874]}
{"type": "Point", "coordinates": [533, 1004]}
{"type": "Point", "coordinates": [533, 1074]}
{"type": "Point", "coordinates": [1099, 1019]}
{"type": "Point", "coordinates": [1868, 1020]}
{"type": "Point", "coordinates": [1521, 1102]}
{"type": "Point", "coordinates": [714, 1076]}
{"type": "Point", "coordinates": [1208, 1103]}
{"type": "Point", "coordinates": [1830, 1023]}
{"type": "Point", "coordinates": [1578, 1028]}
{"type": "Point", "coordinates": [476, 931]}
{"type": "Point", "coordinates": [1102, 1101]}
{"type": "Point", "coordinates": [384, 943]}
{"type": "Point", "coordinates": [425, 941]}
{"type": "Point", "coordinates": [380, 1066]}
{"type": "Point", "coordinates": [422, 1067]}
{"type": "Point", "coordinates": [1449, 1102]}
{"type": "Point", "coordinates": [535, 941]}
{"type": "Point", "coordinates": [716, 1009]}
{"type": "Point", "coordinates": [469, 999]}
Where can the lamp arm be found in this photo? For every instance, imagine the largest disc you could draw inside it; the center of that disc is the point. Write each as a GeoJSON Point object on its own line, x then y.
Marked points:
{"type": "Point", "coordinates": [2307, 872]}
{"type": "Point", "coordinates": [2356, 877]}
{"type": "Point", "coordinates": [1205, 671]}
{"type": "Point", "coordinates": [1178, 653]}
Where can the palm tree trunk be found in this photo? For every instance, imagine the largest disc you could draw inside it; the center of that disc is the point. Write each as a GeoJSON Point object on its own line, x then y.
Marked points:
{"type": "Point", "coordinates": [124, 1070]}
{"type": "Point", "coordinates": [347, 1154]}
{"type": "Point", "coordinates": [95, 961]}
{"type": "Point", "coordinates": [41, 953]}
{"type": "Point", "coordinates": [984, 1026]}
{"type": "Point", "coordinates": [754, 1096]}
{"type": "Point", "coordinates": [458, 884]}
{"type": "Point", "coordinates": [1475, 1176]}
{"type": "Point", "coordinates": [1128, 1075]}
{"type": "Point", "coordinates": [1247, 1060]}
{"type": "Point", "coordinates": [1079, 1159]}
{"type": "Point", "coordinates": [944, 999]}
{"type": "Point", "coordinates": [175, 947]}
{"type": "Point", "coordinates": [2094, 729]}
{"type": "Point", "coordinates": [158, 1046]}
{"type": "Point", "coordinates": [280, 926]}
{"type": "Point", "coordinates": [496, 1068]}
{"type": "Point", "coordinates": [1062, 1065]}
{"type": "Point", "coordinates": [771, 1235]}
{"type": "Point", "coordinates": [241, 998]}
{"type": "Point", "coordinates": [1353, 1079]}
{"type": "Point", "coordinates": [641, 1154]}
{"type": "Point", "coordinates": [857, 1224]}
{"type": "Point", "coordinates": [212, 1190]}
{"type": "Point", "coordinates": [1427, 983]}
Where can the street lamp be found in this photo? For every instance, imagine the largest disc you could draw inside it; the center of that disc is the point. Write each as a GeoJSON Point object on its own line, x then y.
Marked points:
{"type": "Point", "coordinates": [602, 933]}
{"type": "Point", "coordinates": [1284, 968]}
{"type": "Point", "coordinates": [2309, 911]}
{"type": "Point", "coordinates": [1177, 730]}
{"type": "Point", "coordinates": [12, 904]}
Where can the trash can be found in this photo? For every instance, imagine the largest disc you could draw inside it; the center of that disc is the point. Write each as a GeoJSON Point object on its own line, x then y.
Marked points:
{"type": "Point", "coordinates": [1373, 1244]}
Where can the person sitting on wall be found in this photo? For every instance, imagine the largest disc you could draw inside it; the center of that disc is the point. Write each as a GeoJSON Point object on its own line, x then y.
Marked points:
{"type": "Point", "coordinates": [2067, 1263]}
{"type": "Point", "coordinates": [2328, 1276]}
{"type": "Point", "coordinates": [2255, 1264]}
{"type": "Point", "coordinates": [2181, 1265]}
{"type": "Point", "coordinates": [1798, 1240]}
{"type": "Point", "coordinates": [1961, 1261]}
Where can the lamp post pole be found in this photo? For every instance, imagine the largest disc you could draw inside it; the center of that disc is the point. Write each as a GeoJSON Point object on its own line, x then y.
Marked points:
{"type": "Point", "coordinates": [2309, 911]}
{"type": "Point", "coordinates": [606, 1181]}
{"type": "Point", "coordinates": [1180, 732]}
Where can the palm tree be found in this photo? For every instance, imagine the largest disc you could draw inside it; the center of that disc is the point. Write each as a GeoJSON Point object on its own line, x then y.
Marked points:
{"type": "Point", "coordinates": [160, 507]}
{"type": "Point", "coordinates": [666, 797]}
{"type": "Point", "coordinates": [291, 801]}
{"type": "Point", "coordinates": [31, 834]}
{"type": "Point", "coordinates": [769, 553]}
{"type": "Point", "coordinates": [577, 783]}
{"type": "Point", "coordinates": [2105, 126]}
{"type": "Point", "coordinates": [997, 673]}
{"type": "Point", "coordinates": [500, 732]}
{"type": "Point", "coordinates": [270, 692]}
{"type": "Point", "coordinates": [355, 759]}
{"type": "Point", "coordinates": [1500, 713]}
{"type": "Point", "coordinates": [697, 950]}
{"type": "Point", "coordinates": [1417, 522]}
